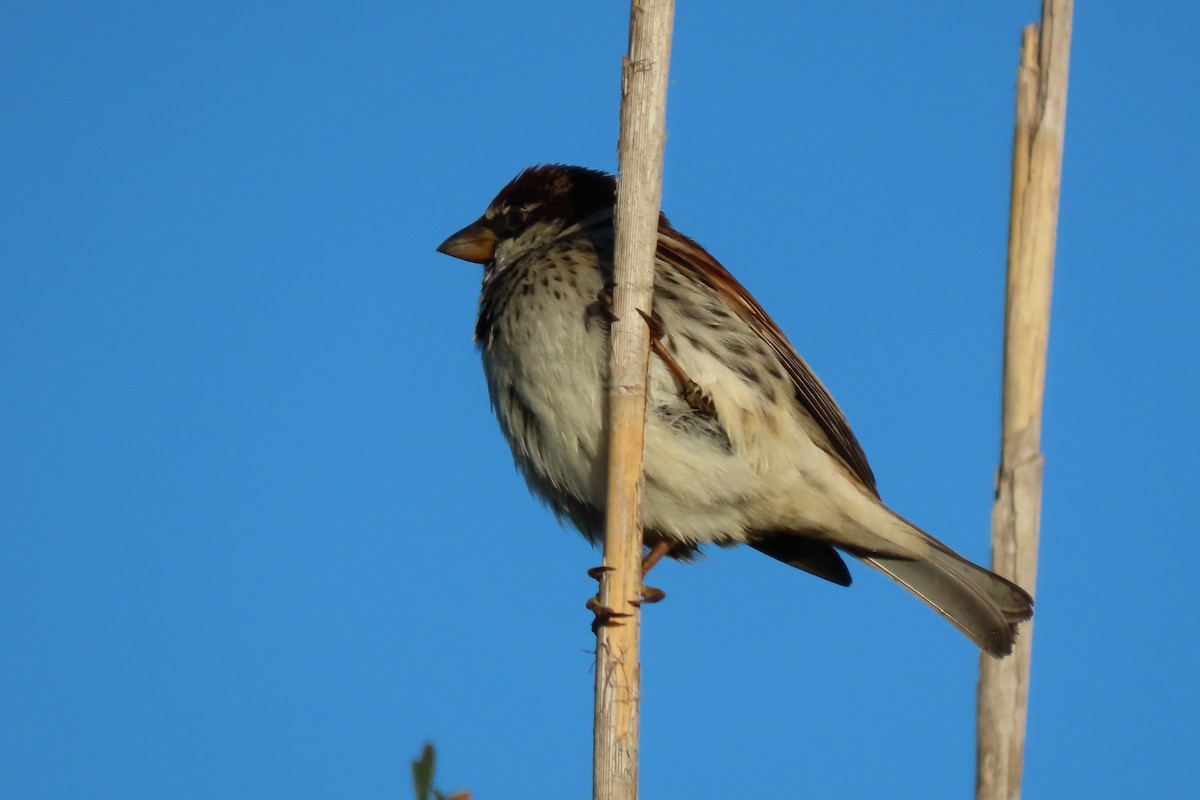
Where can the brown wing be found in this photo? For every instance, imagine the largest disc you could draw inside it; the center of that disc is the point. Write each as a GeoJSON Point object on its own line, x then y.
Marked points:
{"type": "Point", "coordinates": [687, 255]}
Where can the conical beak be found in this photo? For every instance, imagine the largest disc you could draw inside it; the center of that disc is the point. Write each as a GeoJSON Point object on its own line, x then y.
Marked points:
{"type": "Point", "coordinates": [476, 243]}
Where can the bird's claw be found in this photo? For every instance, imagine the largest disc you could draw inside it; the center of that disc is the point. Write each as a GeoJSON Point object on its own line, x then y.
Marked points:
{"type": "Point", "coordinates": [596, 573]}
{"type": "Point", "coordinates": [649, 595]}
{"type": "Point", "coordinates": [654, 323]}
{"type": "Point", "coordinates": [605, 617]}
{"type": "Point", "coordinates": [699, 400]}
{"type": "Point", "coordinates": [603, 307]}
{"type": "Point", "coordinates": [608, 617]}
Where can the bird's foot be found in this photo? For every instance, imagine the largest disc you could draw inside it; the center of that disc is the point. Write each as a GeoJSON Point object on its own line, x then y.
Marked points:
{"type": "Point", "coordinates": [603, 307]}
{"type": "Point", "coordinates": [606, 616]}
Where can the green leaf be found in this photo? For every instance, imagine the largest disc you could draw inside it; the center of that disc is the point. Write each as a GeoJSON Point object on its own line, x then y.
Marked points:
{"type": "Point", "coordinates": [422, 769]}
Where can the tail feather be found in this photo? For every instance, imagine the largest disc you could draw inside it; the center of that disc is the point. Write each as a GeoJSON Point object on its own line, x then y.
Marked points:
{"type": "Point", "coordinates": [981, 604]}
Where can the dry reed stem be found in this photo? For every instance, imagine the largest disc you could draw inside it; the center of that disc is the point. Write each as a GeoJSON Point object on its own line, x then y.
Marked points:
{"type": "Point", "coordinates": [1037, 168]}
{"type": "Point", "coordinates": [639, 197]}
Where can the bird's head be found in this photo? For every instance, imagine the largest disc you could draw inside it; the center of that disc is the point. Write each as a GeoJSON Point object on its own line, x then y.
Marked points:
{"type": "Point", "coordinates": [534, 208]}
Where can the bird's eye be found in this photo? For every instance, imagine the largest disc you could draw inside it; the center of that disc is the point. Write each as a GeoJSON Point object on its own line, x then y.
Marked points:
{"type": "Point", "coordinates": [514, 218]}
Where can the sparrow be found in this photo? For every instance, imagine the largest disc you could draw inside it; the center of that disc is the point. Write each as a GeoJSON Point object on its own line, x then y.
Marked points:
{"type": "Point", "coordinates": [744, 445]}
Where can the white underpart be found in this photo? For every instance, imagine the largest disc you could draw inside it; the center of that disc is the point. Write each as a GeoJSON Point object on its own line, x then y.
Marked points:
{"type": "Point", "coordinates": [773, 477]}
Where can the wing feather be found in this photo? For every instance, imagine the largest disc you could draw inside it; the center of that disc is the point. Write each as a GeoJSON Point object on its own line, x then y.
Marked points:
{"type": "Point", "coordinates": [685, 254]}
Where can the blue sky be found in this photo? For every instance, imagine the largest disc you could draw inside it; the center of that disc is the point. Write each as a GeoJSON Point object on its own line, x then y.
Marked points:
{"type": "Point", "coordinates": [260, 536]}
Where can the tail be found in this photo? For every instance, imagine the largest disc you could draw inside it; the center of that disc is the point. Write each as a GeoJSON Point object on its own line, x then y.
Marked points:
{"type": "Point", "coordinates": [981, 604]}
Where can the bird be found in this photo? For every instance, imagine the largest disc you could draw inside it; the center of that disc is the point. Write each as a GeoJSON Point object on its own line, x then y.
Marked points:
{"type": "Point", "coordinates": [743, 443]}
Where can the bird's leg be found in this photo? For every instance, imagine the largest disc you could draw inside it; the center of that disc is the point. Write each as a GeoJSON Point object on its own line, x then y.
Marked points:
{"type": "Point", "coordinates": [655, 555]}
{"type": "Point", "coordinates": [695, 396]}
{"type": "Point", "coordinates": [698, 400]}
